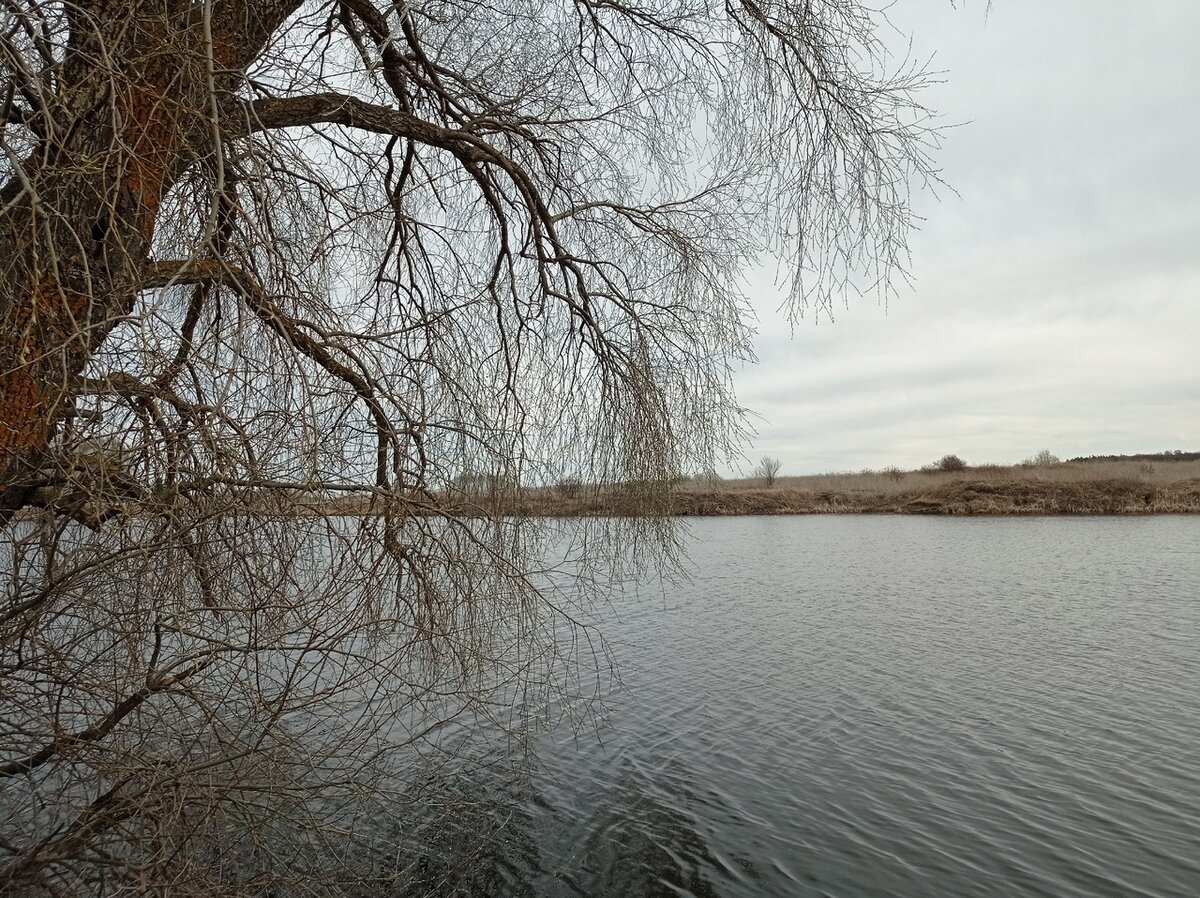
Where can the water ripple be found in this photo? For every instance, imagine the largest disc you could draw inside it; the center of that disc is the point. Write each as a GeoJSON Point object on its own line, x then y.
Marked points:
{"type": "Point", "coordinates": [887, 706]}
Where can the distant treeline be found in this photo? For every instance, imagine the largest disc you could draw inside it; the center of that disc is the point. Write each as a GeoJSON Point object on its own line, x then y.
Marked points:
{"type": "Point", "coordinates": [1169, 455]}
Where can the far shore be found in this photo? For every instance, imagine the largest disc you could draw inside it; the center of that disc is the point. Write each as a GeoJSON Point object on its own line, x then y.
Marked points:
{"type": "Point", "coordinates": [961, 497]}
{"type": "Point", "coordinates": [1072, 488]}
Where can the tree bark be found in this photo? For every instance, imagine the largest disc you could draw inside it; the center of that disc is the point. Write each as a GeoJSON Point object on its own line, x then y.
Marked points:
{"type": "Point", "coordinates": [133, 108]}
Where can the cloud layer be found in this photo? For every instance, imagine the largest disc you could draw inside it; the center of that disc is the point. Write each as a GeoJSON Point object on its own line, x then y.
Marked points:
{"type": "Point", "coordinates": [1055, 298]}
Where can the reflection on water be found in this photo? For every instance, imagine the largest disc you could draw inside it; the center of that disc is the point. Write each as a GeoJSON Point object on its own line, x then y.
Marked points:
{"type": "Point", "coordinates": [497, 838]}
{"type": "Point", "coordinates": [645, 836]}
{"type": "Point", "coordinates": [475, 838]}
{"type": "Point", "coordinates": [870, 706]}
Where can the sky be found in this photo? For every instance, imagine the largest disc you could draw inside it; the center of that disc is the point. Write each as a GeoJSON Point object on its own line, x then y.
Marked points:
{"type": "Point", "coordinates": [1055, 301]}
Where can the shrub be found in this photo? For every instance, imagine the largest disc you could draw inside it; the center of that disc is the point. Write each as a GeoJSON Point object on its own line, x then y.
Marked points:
{"type": "Point", "coordinates": [950, 463]}
{"type": "Point", "coordinates": [483, 483]}
{"type": "Point", "coordinates": [891, 472]}
{"type": "Point", "coordinates": [569, 487]}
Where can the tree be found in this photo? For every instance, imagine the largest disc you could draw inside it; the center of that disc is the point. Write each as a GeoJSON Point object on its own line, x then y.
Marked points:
{"type": "Point", "coordinates": [1044, 458]}
{"type": "Point", "coordinates": [767, 470]}
{"type": "Point", "coordinates": [274, 255]}
{"type": "Point", "coordinates": [950, 463]}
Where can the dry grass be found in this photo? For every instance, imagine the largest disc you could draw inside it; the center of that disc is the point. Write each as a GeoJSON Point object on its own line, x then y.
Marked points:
{"type": "Point", "coordinates": [1102, 487]}
{"type": "Point", "coordinates": [894, 482]}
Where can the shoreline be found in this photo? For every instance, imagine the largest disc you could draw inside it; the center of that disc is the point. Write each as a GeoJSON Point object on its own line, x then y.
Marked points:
{"type": "Point", "coordinates": [960, 494]}
{"type": "Point", "coordinates": [961, 497]}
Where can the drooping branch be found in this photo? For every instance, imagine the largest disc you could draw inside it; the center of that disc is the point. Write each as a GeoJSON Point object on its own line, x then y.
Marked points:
{"type": "Point", "coordinates": [298, 335]}
{"type": "Point", "coordinates": [474, 151]}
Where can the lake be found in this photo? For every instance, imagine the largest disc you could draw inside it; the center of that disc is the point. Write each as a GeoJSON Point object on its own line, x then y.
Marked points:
{"type": "Point", "coordinates": [893, 706]}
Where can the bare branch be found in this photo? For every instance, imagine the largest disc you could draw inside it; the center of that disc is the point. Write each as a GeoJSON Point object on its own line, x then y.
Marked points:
{"type": "Point", "coordinates": [300, 304]}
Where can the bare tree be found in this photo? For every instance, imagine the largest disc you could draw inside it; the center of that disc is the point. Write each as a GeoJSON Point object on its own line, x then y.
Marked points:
{"type": "Point", "coordinates": [767, 470]}
{"type": "Point", "coordinates": [264, 261]}
{"type": "Point", "coordinates": [1044, 458]}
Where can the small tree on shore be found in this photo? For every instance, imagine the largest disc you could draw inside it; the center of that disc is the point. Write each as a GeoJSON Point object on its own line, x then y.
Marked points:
{"type": "Point", "coordinates": [767, 470]}
{"type": "Point", "coordinates": [1044, 458]}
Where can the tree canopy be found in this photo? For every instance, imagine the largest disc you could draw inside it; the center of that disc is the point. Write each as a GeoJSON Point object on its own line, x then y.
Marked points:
{"type": "Point", "coordinates": [259, 258]}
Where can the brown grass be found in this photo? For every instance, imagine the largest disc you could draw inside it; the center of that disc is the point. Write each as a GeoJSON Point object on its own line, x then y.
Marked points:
{"type": "Point", "coordinates": [887, 482]}
{"type": "Point", "coordinates": [1108, 487]}
{"type": "Point", "coordinates": [1116, 487]}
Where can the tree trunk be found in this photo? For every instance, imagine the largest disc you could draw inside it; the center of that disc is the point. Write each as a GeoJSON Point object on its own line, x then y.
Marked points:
{"type": "Point", "coordinates": [131, 111]}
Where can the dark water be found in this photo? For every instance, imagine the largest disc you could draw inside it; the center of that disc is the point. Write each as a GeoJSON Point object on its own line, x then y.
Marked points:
{"type": "Point", "coordinates": [857, 706]}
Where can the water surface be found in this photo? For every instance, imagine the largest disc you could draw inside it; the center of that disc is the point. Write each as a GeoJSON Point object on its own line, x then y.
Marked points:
{"type": "Point", "coordinates": [858, 706]}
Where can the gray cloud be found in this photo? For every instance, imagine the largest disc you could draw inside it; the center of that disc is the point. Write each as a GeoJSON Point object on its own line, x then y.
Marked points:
{"type": "Point", "coordinates": [1055, 300]}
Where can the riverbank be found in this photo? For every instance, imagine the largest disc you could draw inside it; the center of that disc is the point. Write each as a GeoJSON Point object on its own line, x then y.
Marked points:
{"type": "Point", "coordinates": [1072, 488]}
{"type": "Point", "coordinates": [1118, 486]}
{"type": "Point", "coordinates": [960, 497]}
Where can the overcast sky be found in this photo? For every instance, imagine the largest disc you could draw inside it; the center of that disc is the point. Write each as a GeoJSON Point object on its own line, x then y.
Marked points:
{"type": "Point", "coordinates": [1056, 301]}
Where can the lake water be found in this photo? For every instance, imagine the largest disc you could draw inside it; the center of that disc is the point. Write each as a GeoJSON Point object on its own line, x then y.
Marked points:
{"type": "Point", "coordinates": [891, 706]}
